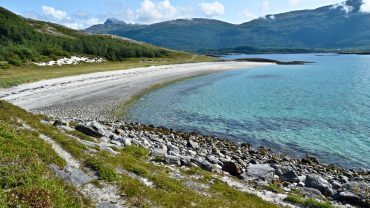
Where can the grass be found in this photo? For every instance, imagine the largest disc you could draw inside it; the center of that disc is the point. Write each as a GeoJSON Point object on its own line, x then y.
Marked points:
{"type": "Point", "coordinates": [308, 203]}
{"type": "Point", "coordinates": [25, 179]}
{"type": "Point", "coordinates": [17, 75]}
{"type": "Point", "coordinates": [170, 192]}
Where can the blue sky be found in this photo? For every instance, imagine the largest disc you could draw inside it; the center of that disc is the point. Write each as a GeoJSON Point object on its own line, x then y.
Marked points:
{"type": "Point", "coordinates": [83, 13]}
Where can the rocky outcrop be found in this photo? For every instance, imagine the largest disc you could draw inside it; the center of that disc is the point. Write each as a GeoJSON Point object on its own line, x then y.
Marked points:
{"type": "Point", "coordinates": [312, 179]}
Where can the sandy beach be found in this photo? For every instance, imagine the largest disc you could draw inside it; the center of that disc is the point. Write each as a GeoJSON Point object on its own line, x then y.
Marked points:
{"type": "Point", "coordinates": [97, 95]}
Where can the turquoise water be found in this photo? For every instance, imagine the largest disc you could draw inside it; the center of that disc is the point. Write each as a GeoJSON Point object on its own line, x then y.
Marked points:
{"type": "Point", "coordinates": [322, 109]}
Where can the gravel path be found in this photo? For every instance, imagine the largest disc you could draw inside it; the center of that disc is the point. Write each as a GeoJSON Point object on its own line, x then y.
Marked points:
{"type": "Point", "coordinates": [96, 95]}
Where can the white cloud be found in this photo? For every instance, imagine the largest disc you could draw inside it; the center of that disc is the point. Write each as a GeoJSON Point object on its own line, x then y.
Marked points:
{"type": "Point", "coordinates": [365, 7]}
{"type": "Point", "coordinates": [246, 14]}
{"type": "Point", "coordinates": [212, 9]}
{"type": "Point", "coordinates": [151, 11]}
{"type": "Point", "coordinates": [265, 7]}
{"type": "Point", "coordinates": [54, 13]}
{"type": "Point", "coordinates": [344, 7]}
{"type": "Point", "coordinates": [294, 2]}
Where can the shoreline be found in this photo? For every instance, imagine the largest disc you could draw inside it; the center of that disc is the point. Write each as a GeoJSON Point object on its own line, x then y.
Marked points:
{"type": "Point", "coordinates": [274, 177]}
{"type": "Point", "coordinates": [284, 173]}
{"type": "Point", "coordinates": [99, 95]}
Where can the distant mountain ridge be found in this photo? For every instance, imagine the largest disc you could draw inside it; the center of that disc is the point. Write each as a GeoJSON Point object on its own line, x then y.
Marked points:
{"type": "Point", "coordinates": [25, 40]}
{"type": "Point", "coordinates": [341, 26]}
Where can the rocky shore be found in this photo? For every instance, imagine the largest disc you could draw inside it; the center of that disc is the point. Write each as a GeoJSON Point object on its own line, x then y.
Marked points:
{"type": "Point", "coordinates": [259, 167]}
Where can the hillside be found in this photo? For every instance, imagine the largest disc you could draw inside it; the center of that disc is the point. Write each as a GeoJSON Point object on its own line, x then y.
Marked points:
{"type": "Point", "coordinates": [25, 40]}
{"type": "Point", "coordinates": [334, 26]}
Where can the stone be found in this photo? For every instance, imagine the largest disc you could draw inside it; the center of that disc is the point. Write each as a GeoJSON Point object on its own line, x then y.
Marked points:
{"type": "Point", "coordinates": [336, 184]}
{"type": "Point", "coordinates": [310, 192]}
{"type": "Point", "coordinates": [170, 159]}
{"type": "Point", "coordinates": [60, 122]}
{"type": "Point", "coordinates": [193, 144]}
{"type": "Point", "coordinates": [290, 176]}
{"type": "Point", "coordinates": [66, 128]}
{"type": "Point", "coordinates": [319, 183]}
{"type": "Point", "coordinates": [348, 197]}
{"type": "Point", "coordinates": [71, 175]}
{"type": "Point", "coordinates": [158, 152]}
{"type": "Point", "coordinates": [360, 188]}
{"type": "Point", "coordinates": [213, 159]}
{"type": "Point", "coordinates": [310, 160]}
{"type": "Point", "coordinates": [115, 137]}
{"type": "Point", "coordinates": [172, 149]}
{"type": "Point", "coordinates": [232, 168]}
{"type": "Point", "coordinates": [93, 129]}
{"type": "Point", "coordinates": [126, 141]}
{"type": "Point", "coordinates": [259, 172]}
{"type": "Point", "coordinates": [202, 163]}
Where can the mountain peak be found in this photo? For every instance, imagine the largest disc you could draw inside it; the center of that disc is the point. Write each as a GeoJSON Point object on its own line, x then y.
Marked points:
{"type": "Point", "coordinates": [114, 21]}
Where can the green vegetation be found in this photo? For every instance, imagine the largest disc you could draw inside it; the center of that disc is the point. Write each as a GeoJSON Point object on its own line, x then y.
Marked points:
{"type": "Point", "coordinates": [23, 40]}
{"type": "Point", "coordinates": [25, 179]}
{"type": "Point", "coordinates": [308, 203]}
{"type": "Point", "coordinates": [15, 75]}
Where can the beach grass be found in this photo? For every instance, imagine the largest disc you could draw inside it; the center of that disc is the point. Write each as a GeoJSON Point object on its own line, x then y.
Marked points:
{"type": "Point", "coordinates": [25, 178]}
{"type": "Point", "coordinates": [30, 73]}
{"type": "Point", "coordinates": [24, 173]}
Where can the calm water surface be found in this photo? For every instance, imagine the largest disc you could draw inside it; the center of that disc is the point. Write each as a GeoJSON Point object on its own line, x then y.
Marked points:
{"type": "Point", "coordinates": [322, 109]}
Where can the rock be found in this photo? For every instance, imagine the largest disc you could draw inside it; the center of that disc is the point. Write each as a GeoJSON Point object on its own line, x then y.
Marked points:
{"type": "Point", "coordinates": [93, 129]}
{"type": "Point", "coordinates": [104, 147]}
{"type": "Point", "coordinates": [170, 159]}
{"type": "Point", "coordinates": [66, 128]}
{"type": "Point", "coordinates": [317, 182]}
{"type": "Point", "coordinates": [202, 164]}
{"type": "Point", "coordinates": [348, 197]}
{"type": "Point", "coordinates": [60, 123]}
{"type": "Point", "coordinates": [126, 141]}
{"type": "Point", "coordinates": [72, 175]}
{"type": "Point", "coordinates": [172, 149]}
{"type": "Point", "coordinates": [158, 152]}
{"type": "Point", "coordinates": [259, 172]}
{"type": "Point", "coordinates": [336, 184]}
{"type": "Point", "coordinates": [310, 192]}
{"type": "Point", "coordinates": [185, 161]}
{"type": "Point", "coordinates": [115, 137]}
{"type": "Point", "coordinates": [309, 160]}
{"type": "Point", "coordinates": [117, 143]}
{"type": "Point", "coordinates": [290, 176]}
{"type": "Point", "coordinates": [360, 188]}
{"type": "Point", "coordinates": [233, 168]}
{"type": "Point", "coordinates": [213, 159]}
{"type": "Point", "coordinates": [193, 144]}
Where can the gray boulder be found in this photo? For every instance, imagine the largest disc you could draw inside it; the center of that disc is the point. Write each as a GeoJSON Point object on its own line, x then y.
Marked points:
{"type": "Point", "coordinates": [193, 144]}
{"type": "Point", "coordinates": [202, 163]}
{"type": "Point", "coordinates": [71, 175]}
{"type": "Point", "coordinates": [289, 176]}
{"type": "Point", "coordinates": [158, 152]}
{"type": "Point", "coordinates": [319, 183]}
{"type": "Point", "coordinates": [93, 129]}
{"type": "Point", "coordinates": [348, 197]}
{"type": "Point", "coordinates": [259, 172]}
{"type": "Point", "coordinates": [233, 168]}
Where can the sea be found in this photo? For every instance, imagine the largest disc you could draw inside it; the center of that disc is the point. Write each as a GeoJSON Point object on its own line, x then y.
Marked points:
{"type": "Point", "coordinates": [321, 109]}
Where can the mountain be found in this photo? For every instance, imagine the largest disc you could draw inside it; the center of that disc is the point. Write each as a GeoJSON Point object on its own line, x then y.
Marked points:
{"type": "Point", "coordinates": [343, 25]}
{"type": "Point", "coordinates": [25, 40]}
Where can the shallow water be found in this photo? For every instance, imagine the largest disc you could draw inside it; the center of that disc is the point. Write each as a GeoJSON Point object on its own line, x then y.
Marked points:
{"type": "Point", "coordinates": [322, 109]}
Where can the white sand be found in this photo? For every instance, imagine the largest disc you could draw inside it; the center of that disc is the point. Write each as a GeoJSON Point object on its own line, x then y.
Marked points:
{"type": "Point", "coordinates": [97, 95]}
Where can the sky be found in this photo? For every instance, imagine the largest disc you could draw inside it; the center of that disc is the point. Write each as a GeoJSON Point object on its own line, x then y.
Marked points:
{"type": "Point", "coordinates": [79, 14]}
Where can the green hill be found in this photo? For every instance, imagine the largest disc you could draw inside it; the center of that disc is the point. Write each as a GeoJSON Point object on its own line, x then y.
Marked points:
{"type": "Point", "coordinates": [342, 26]}
{"type": "Point", "coordinates": [25, 40]}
